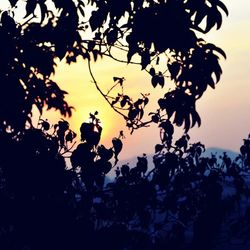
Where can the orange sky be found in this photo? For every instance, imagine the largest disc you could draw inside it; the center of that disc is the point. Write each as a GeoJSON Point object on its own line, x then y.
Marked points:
{"type": "Point", "coordinates": [224, 111]}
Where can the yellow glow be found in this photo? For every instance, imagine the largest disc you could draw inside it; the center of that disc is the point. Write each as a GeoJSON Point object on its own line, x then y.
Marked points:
{"type": "Point", "coordinates": [83, 96]}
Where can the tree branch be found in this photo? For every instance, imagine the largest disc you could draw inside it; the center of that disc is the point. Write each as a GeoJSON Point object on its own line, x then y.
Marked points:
{"type": "Point", "coordinates": [100, 91]}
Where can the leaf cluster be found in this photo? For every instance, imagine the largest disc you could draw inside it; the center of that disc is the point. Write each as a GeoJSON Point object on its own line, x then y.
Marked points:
{"type": "Point", "coordinates": [144, 207]}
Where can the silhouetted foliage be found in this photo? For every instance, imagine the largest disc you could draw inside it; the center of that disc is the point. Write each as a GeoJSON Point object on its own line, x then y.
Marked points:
{"type": "Point", "coordinates": [52, 189]}
{"type": "Point", "coordinates": [179, 203]}
{"type": "Point", "coordinates": [149, 33]}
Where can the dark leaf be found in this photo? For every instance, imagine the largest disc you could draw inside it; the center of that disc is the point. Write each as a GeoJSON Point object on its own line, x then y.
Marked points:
{"type": "Point", "coordinates": [104, 153]}
{"type": "Point", "coordinates": [115, 101]}
{"type": "Point", "coordinates": [174, 69]}
{"type": "Point", "coordinates": [13, 2]}
{"type": "Point", "coordinates": [132, 113]}
{"type": "Point", "coordinates": [200, 15]}
{"type": "Point", "coordinates": [123, 102]}
{"type": "Point", "coordinates": [161, 80]}
{"type": "Point", "coordinates": [152, 72]}
{"type": "Point", "coordinates": [44, 11]}
{"type": "Point", "coordinates": [167, 126]}
{"type": "Point", "coordinates": [125, 170]}
{"type": "Point", "coordinates": [211, 21]}
{"type": "Point", "coordinates": [158, 148]}
{"type": "Point", "coordinates": [118, 79]}
{"type": "Point", "coordinates": [112, 36]}
{"type": "Point", "coordinates": [141, 113]}
{"type": "Point", "coordinates": [45, 125]}
{"type": "Point", "coordinates": [155, 80]}
{"type": "Point", "coordinates": [96, 20]}
{"type": "Point", "coordinates": [146, 100]}
{"type": "Point", "coordinates": [117, 145]}
{"type": "Point", "coordinates": [81, 9]}
{"type": "Point", "coordinates": [30, 7]}
{"type": "Point", "coordinates": [223, 7]}
{"type": "Point", "coordinates": [145, 59]}
{"type": "Point", "coordinates": [91, 45]}
{"type": "Point", "coordinates": [107, 166]}
{"type": "Point", "coordinates": [155, 118]}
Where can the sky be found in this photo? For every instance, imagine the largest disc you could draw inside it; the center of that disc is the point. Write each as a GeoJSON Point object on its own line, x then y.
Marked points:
{"type": "Point", "coordinates": [225, 111]}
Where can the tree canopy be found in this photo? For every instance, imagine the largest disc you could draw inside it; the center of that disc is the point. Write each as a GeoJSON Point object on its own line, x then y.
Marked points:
{"type": "Point", "coordinates": [178, 203]}
{"type": "Point", "coordinates": [148, 32]}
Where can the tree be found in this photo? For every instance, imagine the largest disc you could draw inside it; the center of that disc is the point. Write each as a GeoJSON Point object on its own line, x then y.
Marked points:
{"type": "Point", "coordinates": [149, 32]}
{"type": "Point", "coordinates": [46, 205]}
{"type": "Point", "coordinates": [178, 204]}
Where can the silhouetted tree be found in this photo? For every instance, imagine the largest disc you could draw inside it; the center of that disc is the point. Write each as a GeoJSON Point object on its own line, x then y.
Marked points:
{"type": "Point", "coordinates": [149, 32]}
{"type": "Point", "coordinates": [52, 191]}
{"type": "Point", "coordinates": [179, 203]}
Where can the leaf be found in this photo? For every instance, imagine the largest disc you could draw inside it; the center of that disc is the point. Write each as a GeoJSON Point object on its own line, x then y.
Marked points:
{"type": "Point", "coordinates": [96, 20]}
{"type": "Point", "coordinates": [217, 49]}
{"type": "Point", "coordinates": [131, 52]}
{"type": "Point", "coordinates": [119, 79]}
{"type": "Point", "coordinates": [145, 59]}
{"type": "Point", "coordinates": [104, 153]}
{"type": "Point", "coordinates": [195, 118]}
{"type": "Point", "coordinates": [115, 101]}
{"type": "Point", "coordinates": [223, 7]}
{"type": "Point", "coordinates": [125, 170]}
{"type": "Point", "coordinates": [158, 148]}
{"type": "Point", "coordinates": [211, 21]}
{"type": "Point", "coordinates": [95, 53]}
{"type": "Point", "coordinates": [174, 69]}
{"type": "Point", "coordinates": [162, 103]}
{"type": "Point", "coordinates": [123, 102]}
{"type": "Point", "coordinates": [107, 166]}
{"type": "Point", "coordinates": [132, 113]}
{"type": "Point", "coordinates": [157, 60]}
{"type": "Point", "coordinates": [168, 127]}
{"type": "Point", "coordinates": [186, 123]}
{"type": "Point", "coordinates": [161, 80]}
{"type": "Point", "coordinates": [154, 80]}
{"type": "Point", "coordinates": [70, 136]}
{"type": "Point", "coordinates": [60, 49]}
{"type": "Point", "coordinates": [141, 113]}
{"type": "Point", "coordinates": [30, 7]}
{"type": "Point", "coordinates": [81, 8]}
{"type": "Point", "coordinates": [182, 142]}
{"type": "Point", "coordinates": [117, 145]}
{"type": "Point", "coordinates": [112, 36]}
{"type": "Point", "coordinates": [45, 125]}
{"type": "Point", "coordinates": [138, 103]}
{"type": "Point", "coordinates": [146, 100]}
{"type": "Point", "coordinates": [13, 2]}
{"type": "Point", "coordinates": [200, 15]}
{"type": "Point", "coordinates": [152, 71]}
{"type": "Point", "coordinates": [91, 45]}
{"type": "Point", "coordinates": [142, 164]}
{"type": "Point", "coordinates": [44, 11]}
{"type": "Point", "coordinates": [7, 20]}
{"type": "Point", "coordinates": [219, 20]}
{"type": "Point", "coordinates": [155, 118]}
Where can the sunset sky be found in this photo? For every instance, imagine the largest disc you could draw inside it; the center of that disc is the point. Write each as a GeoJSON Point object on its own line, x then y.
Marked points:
{"type": "Point", "coordinates": [225, 111]}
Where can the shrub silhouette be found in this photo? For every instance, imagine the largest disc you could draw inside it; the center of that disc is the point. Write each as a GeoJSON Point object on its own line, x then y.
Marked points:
{"type": "Point", "coordinates": [177, 204]}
